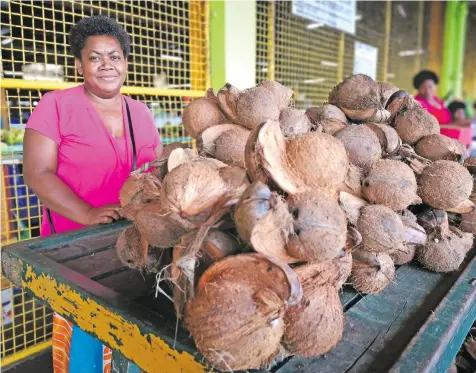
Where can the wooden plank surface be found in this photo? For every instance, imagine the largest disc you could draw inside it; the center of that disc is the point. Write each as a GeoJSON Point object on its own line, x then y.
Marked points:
{"type": "Point", "coordinates": [439, 339]}
{"type": "Point", "coordinates": [96, 264]}
{"type": "Point", "coordinates": [378, 327]}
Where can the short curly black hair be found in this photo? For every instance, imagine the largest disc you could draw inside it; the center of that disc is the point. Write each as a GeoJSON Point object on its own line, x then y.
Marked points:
{"type": "Point", "coordinates": [97, 25]}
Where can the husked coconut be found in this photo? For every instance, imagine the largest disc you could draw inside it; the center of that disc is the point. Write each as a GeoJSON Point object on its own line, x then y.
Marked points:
{"type": "Point", "coordinates": [403, 254]}
{"type": "Point", "coordinates": [320, 160]}
{"type": "Point", "coordinates": [200, 114]}
{"type": "Point", "coordinates": [381, 228]}
{"type": "Point", "coordinates": [316, 324]}
{"type": "Point", "coordinates": [362, 145]}
{"type": "Point", "coordinates": [328, 117]}
{"type": "Point", "coordinates": [445, 185]}
{"type": "Point", "coordinates": [206, 140]}
{"type": "Point", "coordinates": [358, 97]}
{"type": "Point", "coordinates": [255, 106]}
{"type": "Point", "coordinates": [389, 140]}
{"type": "Point", "coordinates": [236, 317]}
{"type": "Point", "coordinates": [320, 228]}
{"type": "Point", "coordinates": [139, 188]}
{"type": "Point", "coordinates": [192, 188]}
{"type": "Point", "coordinates": [444, 250]}
{"type": "Point", "coordinates": [230, 147]}
{"type": "Point", "coordinates": [131, 249]}
{"type": "Point", "coordinates": [440, 147]}
{"type": "Point", "coordinates": [371, 279]}
{"type": "Point", "coordinates": [161, 227]}
{"type": "Point", "coordinates": [392, 184]}
{"type": "Point", "coordinates": [281, 93]}
{"type": "Point", "coordinates": [294, 122]}
{"type": "Point", "coordinates": [414, 124]}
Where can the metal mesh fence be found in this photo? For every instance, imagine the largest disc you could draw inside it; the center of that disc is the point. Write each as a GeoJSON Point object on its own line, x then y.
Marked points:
{"type": "Point", "coordinates": [312, 58]}
{"type": "Point", "coordinates": [168, 66]}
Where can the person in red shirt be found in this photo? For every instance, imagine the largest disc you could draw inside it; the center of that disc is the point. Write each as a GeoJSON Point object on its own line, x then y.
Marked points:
{"type": "Point", "coordinates": [425, 83]}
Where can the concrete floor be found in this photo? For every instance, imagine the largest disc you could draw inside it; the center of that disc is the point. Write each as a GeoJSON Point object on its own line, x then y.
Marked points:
{"type": "Point", "coordinates": [40, 363]}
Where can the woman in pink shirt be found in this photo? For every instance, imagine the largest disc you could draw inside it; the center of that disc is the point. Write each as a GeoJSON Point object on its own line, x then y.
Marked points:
{"type": "Point", "coordinates": [425, 82]}
{"type": "Point", "coordinates": [79, 150]}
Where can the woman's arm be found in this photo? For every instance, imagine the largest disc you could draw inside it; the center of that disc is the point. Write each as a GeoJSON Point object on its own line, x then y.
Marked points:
{"type": "Point", "coordinates": [39, 168]}
{"type": "Point", "coordinates": [458, 124]}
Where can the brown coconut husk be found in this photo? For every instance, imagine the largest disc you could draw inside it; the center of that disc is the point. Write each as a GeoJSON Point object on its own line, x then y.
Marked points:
{"type": "Point", "coordinates": [414, 234]}
{"type": "Point", "coordinates": [320, 161]}
{"type": "Point", "coordinates": [269, 158]}
{"type": "Point", "coordinates": [440, 147]}
{"type": "Point", "coordinates": [414, 124]}
{"type": "Point", "coordinates": [403, 254]}
{"type": "Point", "coordinates": [320, 228]}
{"type": "Point", "coordinates": [468, 222]}
{"type": "Point", "coordinates": [253, 158]}
{"type": "Point", "coordinates": [391, 183]}
{"type": "Point", "coordinates": [254, 204]}
{"type": "Point", "coordinates": [235, 177]}
{"type": "Point", "coordinates": [236, 318]}
{"type": "Point", "coordinates": [327, 117]}
{"type": "Point", "coordinates": [206, 141]}
{"type": "Point", "coordinates": [470, 164]}
{"type": "Point", "coordinates": [386, 90]}
{"type": "Point", "coordinates": [255, 106]}
{"type": "Point", "coordinates": [227, 97]}
{"type": "Point", "coordinates": [161, 168]}
{"type": "Point", "coordinates": [445, 185]}
{"type": "Point", "coordinates": [139, 188]}
{"type": "Point", "coordinates": [180, 156]}
{"type": "Point", "coordinates": [381, 228]}
{"type": "Point", "coordinates": [200, 114]}
{"type": "Point", "coordinates": [281, 93]}
{"type": "Point", "coordinates": [371, 279]}
{"type": "Point", "coordinates": [230, 147]}
{"type": "Point", "coordinates": [351, 205]}
{"type": "Point", "coordinates": [270, 234]}
{"type": "Point", "coordinates": [131, 249]}
{"type": "Point", "coordinates": [161, 227]}
{"type": "Point", "coordinates": [316, 324]}
{"type": "Point", "coordinates": [389, 140]}
{"type": "Point", "coordinates": [358, 97]}
{"type": "Point", "coordinates": [345, 267]}
{"type": "Point", "coordinates": [398, 101]}
{"type": "Point", "coordinates": [192, 188]}
{"type": "Point", "coordinates": [353, 181]}
{"type": "Point", "coordinates": [294, 122]}
{"type": "Point", "coordinates": [362, 145]}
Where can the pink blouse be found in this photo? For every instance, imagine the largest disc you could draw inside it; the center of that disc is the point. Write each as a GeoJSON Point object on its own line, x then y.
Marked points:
{"type": "Point", "coordinates": [90, 161]}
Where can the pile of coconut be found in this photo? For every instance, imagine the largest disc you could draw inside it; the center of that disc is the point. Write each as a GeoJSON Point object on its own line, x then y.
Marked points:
{"type": "Point", "coordinates": [259, 229]}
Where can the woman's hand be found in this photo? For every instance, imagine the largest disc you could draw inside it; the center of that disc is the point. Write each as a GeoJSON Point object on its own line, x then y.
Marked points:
{"type": "Point", "coordinates": [102, 215]}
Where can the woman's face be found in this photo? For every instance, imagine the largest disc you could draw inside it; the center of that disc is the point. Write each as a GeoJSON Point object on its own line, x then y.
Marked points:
{"type": "Point", "coordinates": [460, 114]}
{"type": "Point", "coordinates": [427, 89]}
{"type": "Point", "coordinates": [102, 65]}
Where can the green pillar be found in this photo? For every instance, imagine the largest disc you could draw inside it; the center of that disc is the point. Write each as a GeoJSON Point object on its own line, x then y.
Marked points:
{"type": "Point", "coordinates": [446, 82]}
{"type": "Point", "coordinates": [233, 43]}
{"type": "Point", "coordinates": [459, 47]}
{"type": "Point", "coordinates": [217, 44]}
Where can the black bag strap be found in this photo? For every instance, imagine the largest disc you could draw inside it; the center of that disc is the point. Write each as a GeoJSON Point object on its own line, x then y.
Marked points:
{"type": "Point", "coordinates": [131, 131]}
{"type": "Point", "coordinates": [134, 160]}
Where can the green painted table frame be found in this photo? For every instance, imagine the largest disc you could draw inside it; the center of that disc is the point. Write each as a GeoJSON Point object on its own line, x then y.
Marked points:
{"type": "Point", "coordinates": [417, 324]}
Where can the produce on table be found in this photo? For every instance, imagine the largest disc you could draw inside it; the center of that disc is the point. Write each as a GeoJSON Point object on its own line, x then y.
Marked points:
{"type": "Point", "coordinates": [280, 207]}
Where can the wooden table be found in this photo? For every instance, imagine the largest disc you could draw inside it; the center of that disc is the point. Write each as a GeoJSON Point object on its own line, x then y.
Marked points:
{"type": "Point", "coordinates": [417, 324]}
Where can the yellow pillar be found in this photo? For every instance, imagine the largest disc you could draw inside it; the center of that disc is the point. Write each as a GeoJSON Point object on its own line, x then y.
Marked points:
{"type": "Point", "coordinates": [386, 46]}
